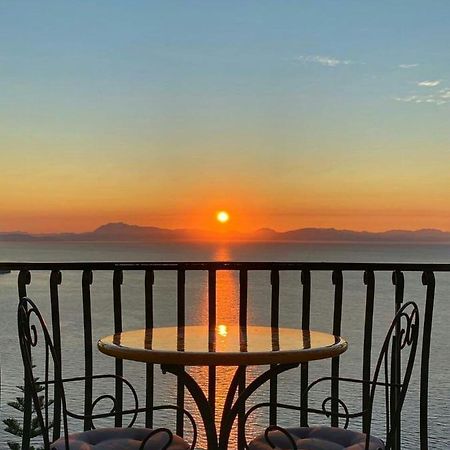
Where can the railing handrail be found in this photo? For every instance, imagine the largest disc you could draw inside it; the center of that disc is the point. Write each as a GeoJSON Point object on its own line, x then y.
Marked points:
{"type": "Point", "coordinates": [226, 265]}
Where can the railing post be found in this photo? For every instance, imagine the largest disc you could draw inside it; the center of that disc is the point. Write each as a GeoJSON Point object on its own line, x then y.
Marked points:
{"type": "Point", "coordinates": [55, 281]}
{"type": "Point", "coordinates": [181, 322]}
{"type": "Point", "coordinates": [23, 280]}
{"type": "Point", "coordinates": [117, 300]}
{"type": "Point", "coordinates": [398, 280]}
{"type": "Point", "coordinates": [306, 318]}
{"type": "Point", "coordinates": [212, 323]}
{"type": "Point", "coordinates": [149, 368]}
{"type": "Point", "coordinates": [86, 282]}
{"type": "Point", "coordinates": [243, 314]}
{"type": "Point", "coordinates": [429, 281]}
{"type": "Point", "coordinates": [274, 323]}
{"type": "Point", "coordinates": [369, 281]}
{"type": "Point", "coordinates": [337, 320]}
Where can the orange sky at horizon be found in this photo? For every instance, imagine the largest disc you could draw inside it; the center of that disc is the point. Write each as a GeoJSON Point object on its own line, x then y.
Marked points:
{"type": "Point", "coordinates": [79, 193]}
{"type": "Point", "coordinates": [69, 197]}
{"type": "Point", "coordinates": [243, 221]}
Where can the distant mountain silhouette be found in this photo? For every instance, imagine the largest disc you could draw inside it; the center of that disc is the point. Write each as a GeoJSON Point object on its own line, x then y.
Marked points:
{"type": "Point", "coordinates": [124, 232]}
{"type": "Point", "coordinates": [331, 234]}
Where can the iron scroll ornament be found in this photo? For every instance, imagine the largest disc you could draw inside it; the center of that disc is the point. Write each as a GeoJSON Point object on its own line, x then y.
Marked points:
{"type": "Point", "coordinates": [402, 333]}
{"type": "Point", "coordinates": [31, 326]}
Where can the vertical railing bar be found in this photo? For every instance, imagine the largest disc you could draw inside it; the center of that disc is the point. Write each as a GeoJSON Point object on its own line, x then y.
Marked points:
{"type": "Point", "coordinates": [428, 280]}
{"type": "Point", "coordinates": [212, 323]}
{"type": "Point", "coordinates": [149, 283]}
{"type": "Point", "coordinates": [117, 300]}
{"type": "Point", "coordinates": [398, 280]}
{"type": "Point", "coordinates": [306, 318]}
{"type": "Point", "coordinates": [369, 281]}
{"type": "Point", "coordinates": [24, 279]}
{"type": "Point", "coordinates": [55, 281]}
{"type": "Point", "coordinates": [275, 303]}
{"type": "Point", "coordinates": [149, 368]}
{"type": "Point", "coordinates": [86, 282]}
{"type": "Point", "coordinates": [243, 319]}
{"type": "Point", "coordinates": [243, 297]}
{"type": "Point", "coordinates": [274, 323]}
{"type": "Point", "coordinates": [337, 321]}
{"type": "Point", "coordinates": [181, 322]}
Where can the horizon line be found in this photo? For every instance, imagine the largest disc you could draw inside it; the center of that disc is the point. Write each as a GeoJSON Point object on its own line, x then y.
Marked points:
{"type": "Point", "coordinates": [270, 229]}
{"type": "Point", "coordinates": [124, 232]}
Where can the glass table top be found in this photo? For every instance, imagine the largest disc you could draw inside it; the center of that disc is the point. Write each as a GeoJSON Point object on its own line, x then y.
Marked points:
{"type": "Point", "coordinates": [222, 346]}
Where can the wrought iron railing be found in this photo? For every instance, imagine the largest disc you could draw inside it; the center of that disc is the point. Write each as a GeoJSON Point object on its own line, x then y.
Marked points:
{"type": "Point", "coordinates": [338, 271]}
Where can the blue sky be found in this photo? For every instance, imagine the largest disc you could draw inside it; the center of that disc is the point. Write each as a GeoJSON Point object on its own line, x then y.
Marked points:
{"type": "Point", "coordinates": [207, 94]}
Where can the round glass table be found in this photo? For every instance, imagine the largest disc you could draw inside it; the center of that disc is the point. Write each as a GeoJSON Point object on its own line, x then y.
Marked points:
{"type": "Point", "coordinates": [176, 347]}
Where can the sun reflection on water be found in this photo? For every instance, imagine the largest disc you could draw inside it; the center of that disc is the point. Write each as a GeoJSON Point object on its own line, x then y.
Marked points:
{"type": "Point", "coordinates": [227, 314]}
{"type": "Point", "coordinates": [222, 330]}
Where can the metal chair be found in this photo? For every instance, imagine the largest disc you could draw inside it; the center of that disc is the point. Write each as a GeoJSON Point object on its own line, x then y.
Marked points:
{"type": "Point", "coordinates": [31, 326]}
{"type": "Point", "coordinates": [402, 335]}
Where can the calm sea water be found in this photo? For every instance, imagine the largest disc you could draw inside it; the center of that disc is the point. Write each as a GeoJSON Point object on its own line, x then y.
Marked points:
{"type": "Point", "coordinates": [227, 295]}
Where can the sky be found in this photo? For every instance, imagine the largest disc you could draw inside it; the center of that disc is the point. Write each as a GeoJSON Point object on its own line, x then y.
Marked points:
{"type": "Point", "coordinates": [286, 114]}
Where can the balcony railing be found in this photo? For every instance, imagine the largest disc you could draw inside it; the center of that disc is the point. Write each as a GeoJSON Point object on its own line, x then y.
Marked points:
{"type": "Point", "coordinates": [146, 276]}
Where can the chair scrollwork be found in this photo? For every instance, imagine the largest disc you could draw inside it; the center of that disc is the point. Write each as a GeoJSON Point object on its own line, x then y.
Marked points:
{"type": "Point", "coordinates": [48, 381]}
{"type": "Point", "coordinates": [402, 335]}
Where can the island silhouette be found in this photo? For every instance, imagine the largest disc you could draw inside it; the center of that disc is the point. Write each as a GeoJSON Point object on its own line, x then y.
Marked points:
{"type": "Point", "coordinates": [120, 231]}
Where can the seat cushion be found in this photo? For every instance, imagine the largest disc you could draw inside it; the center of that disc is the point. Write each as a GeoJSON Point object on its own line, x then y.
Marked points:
{"type": "Point", "coordinates": [119, 439]}
{"type": "Point", "coordinates": [317, 438]}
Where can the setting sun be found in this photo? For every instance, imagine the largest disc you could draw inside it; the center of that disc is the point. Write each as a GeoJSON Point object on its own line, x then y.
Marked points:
{"type": "Point", "coordinates": [223, 216]}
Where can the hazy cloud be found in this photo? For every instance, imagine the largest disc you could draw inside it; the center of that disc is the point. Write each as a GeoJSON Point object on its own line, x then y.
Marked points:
{"type": "Point", "coordinates": [407, 66]}
{"type": "Point", "coordinates": [429, 83]}
{"type": "Point", "coordinates": [439, 98]}
{"type": "Point", "coordinates": [445, 93]}
{"type": "Point", "coordinates": [409, 98]}
{"type": "Point", "coordinates": [324, 60]}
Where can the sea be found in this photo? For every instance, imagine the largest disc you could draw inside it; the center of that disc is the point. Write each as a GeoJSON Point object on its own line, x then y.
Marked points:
{"type": "Point", "coordinates": [227, 314]}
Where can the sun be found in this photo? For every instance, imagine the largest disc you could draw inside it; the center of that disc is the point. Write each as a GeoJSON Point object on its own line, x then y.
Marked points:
{"type": "Point", "coordinates": [223, 216]}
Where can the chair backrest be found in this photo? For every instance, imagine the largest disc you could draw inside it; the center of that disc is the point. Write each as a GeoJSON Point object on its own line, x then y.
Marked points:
{"type": "Point", "coordinates": [34, 335]}
{"type": "Point", "coordinates": [402, 337]}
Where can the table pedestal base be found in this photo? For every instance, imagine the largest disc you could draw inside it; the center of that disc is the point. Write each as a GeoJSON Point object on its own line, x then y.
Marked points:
{"type": "Point", "coordinates": [231, 408]}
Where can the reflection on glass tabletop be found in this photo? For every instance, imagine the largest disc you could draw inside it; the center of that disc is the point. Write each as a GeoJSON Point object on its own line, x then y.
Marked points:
{"type": "Point", "coordinates": [222, 346]}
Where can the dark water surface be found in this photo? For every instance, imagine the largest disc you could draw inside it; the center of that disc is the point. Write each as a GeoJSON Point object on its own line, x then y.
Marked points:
{"type": "Point", "coordinates": [227, 311]}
